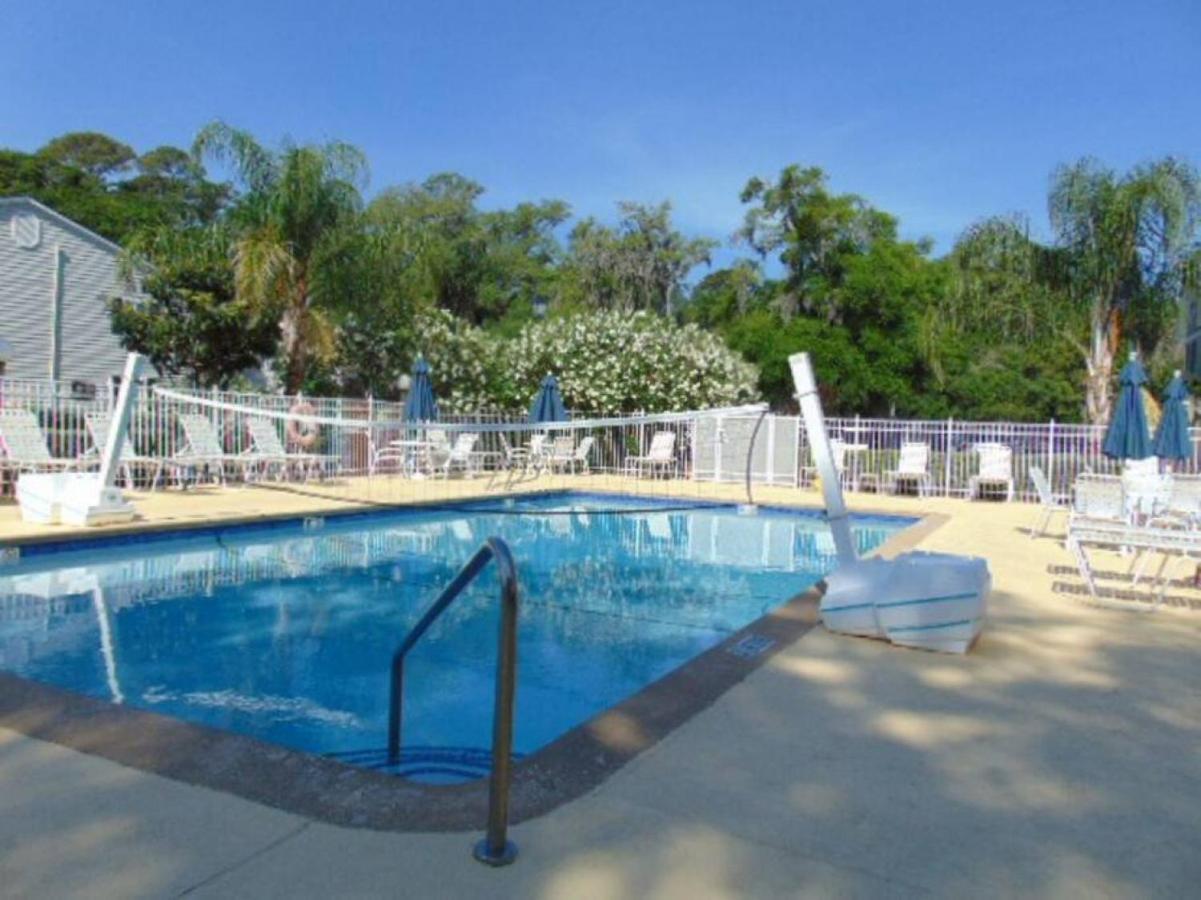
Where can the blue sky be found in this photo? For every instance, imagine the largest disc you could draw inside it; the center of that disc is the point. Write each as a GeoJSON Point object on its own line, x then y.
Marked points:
{"type": "Point", "coordinates": [940, 113]}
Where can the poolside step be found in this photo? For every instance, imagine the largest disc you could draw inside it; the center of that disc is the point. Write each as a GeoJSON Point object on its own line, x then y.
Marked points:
{"type": "Point", "coordinates": [438, 764]}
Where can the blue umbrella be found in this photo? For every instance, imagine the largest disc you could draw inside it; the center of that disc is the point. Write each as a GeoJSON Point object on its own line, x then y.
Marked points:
{"type": "Point", "coordinates": [548, 403]}
{"type": "Point", "coordinates": [1128, 436]}
{"type": "Point", "coordinates": [420, 406]}
{"type": "Point", "coordinates": [1172, 440]}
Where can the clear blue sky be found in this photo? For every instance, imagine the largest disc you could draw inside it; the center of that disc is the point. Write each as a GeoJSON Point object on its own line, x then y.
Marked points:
{"type": "Point", "coordinates": [938, 112]}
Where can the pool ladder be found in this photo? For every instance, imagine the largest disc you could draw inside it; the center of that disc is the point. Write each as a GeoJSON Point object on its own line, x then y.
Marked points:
{"type": "Point", "coordinates": [495, 849]}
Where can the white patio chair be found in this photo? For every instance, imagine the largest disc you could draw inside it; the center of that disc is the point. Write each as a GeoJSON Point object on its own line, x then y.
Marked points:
{"type": "Point", "coordinates": [568, 457]}
{"type": "Point", "coordinates": [1146, 488]}
{"type": "Point", "coordinates": [98, 425]}
{"type": "Point", "coordinates": [996, 470]}
{"type": "Point", "coordinates": [913, 467]}
{"type": "Point", "coordinates": [1182, 504]}
{"type": "Point", "coordinates": [1098, 498]}
{"type": "Point", "coordinates": [460, 454]}
{"type": "Point", "coordinates": [25, 448]}
{"type": "Point", "coordinates": [838, 453]}
{"type": "Point", "coordinates": [268, 449]}
{"type": "Point", "coordinates": [1049, 503]}
{"type": "Point", "coordinates": [202, 450]}
{"type": "Point", "coordinates": [660, 458]}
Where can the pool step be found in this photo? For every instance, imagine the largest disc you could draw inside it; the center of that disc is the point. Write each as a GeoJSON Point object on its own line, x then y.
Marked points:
{"type": "Point", "coordinates": [425, 763]}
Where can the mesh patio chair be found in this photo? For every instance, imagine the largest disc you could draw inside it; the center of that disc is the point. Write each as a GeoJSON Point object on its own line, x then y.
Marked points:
{"type": "Point", "coordinates": [996, 470]}
{"type": "Point", "coordinates": [25, 448]}
{"type": "Point", "coordinates": [913, 467]}
{"type": "Point", "coordinates": [98, 425]}
{"type": "Point", "coordinates": [1049, 504]}
{"type": "Point", "coordinates": [661, 457]}
{"type": "Point", "coordinates": [268, 449]}
{"type": "Point", "coordinates": [202, 450]}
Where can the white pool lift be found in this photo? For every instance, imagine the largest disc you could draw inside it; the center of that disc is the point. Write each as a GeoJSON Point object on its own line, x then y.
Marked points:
{"type": "Point", "coordinates": [86, 498]}
{"type": "Point", "coordinates": [932, 601]}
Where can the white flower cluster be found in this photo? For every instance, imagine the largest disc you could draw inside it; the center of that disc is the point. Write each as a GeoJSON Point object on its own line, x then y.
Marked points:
{"type": "Point", "coordinates": [605, 362]}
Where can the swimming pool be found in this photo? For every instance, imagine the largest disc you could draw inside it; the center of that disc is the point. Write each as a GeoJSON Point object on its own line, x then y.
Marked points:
{"type": "Point", "coordinates": [285, 632]}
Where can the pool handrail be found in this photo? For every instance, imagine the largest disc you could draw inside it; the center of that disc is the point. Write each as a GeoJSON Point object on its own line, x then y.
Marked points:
{"type": "Point", "coordinates": [495, 849]}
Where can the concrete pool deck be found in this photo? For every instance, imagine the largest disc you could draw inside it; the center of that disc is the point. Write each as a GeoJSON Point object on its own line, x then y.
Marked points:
{"type": "Point", "coordinates": [1061, 757]}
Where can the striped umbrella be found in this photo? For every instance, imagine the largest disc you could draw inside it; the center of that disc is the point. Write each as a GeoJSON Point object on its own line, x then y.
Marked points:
{"type": "Point", "coordinates": [1127, 436]}
{"type": "Point", "coordinates": [1172, 439]}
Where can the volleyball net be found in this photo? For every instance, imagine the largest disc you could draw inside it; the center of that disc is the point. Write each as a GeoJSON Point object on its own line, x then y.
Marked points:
{"type": "Point", "coordinates": [359, 455]}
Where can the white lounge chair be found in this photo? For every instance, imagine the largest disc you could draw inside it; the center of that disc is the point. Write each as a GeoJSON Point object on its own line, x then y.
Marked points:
{"type": "Point", "coordinates": [268, 449]}
{"type": "Point", "coordinates": [996, 470]}
{"type": "Point", "coordinates": [660, 458]}
{"type": "Point", "coordinates": [98, 425]}
{"type": "Point", "coordinates": [1182, 504]}
{"type": "Point", "coordinates": [1098, 498]}
{"type": "Point", "coordinates": [202, 450]}
{"type": "Point", "coordinates": [913, 467]}
{"type": "Point", "coordinates": [25, 448]}
{"type": "Point", "coordinates": [1170, 543]}
{"type": "Point", "coordinates": [1050, 504]}
{"type": "Point", "coordinates": [568, 457]}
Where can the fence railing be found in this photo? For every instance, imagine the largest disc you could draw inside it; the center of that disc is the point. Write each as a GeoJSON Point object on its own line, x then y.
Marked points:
{"type": "Point", "coordinates": [708, 448]}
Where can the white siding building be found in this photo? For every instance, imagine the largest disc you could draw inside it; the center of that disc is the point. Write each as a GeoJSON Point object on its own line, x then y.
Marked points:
{"type": "Point", "coordinates": [56, 278]}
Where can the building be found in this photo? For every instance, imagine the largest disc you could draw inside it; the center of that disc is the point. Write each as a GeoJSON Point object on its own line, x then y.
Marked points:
{"type": "Point", "coordinates": [56, 278]}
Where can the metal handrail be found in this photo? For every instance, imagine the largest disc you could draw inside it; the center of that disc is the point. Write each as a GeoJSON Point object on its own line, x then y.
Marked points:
{"type": "Point", "coordinates": [495, 849]}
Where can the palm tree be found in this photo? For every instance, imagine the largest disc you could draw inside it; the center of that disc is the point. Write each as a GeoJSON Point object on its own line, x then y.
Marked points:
{"type": "Point", "coordinates": [1128, 241]}
{"type": "Point", "coordinates": [297, 205]}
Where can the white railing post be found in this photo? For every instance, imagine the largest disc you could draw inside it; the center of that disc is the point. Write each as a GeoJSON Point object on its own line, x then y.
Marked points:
{"type": "Point", "coordinates": [1051, 455]}
{"type": "Point", "coordinates": [946, 463]}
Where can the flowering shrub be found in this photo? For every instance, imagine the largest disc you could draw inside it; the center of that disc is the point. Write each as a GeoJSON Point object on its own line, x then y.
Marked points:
{"type": "Point", "coordinates": [604, 361]}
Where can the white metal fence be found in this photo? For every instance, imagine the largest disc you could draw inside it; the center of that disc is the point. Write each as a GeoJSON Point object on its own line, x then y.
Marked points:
{"type": "Point", "coordinates": [707, 448]}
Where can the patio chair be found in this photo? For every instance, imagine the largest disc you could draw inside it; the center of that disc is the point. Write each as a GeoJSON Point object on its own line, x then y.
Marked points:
{"type": "Point", "coordinates": [267, 448]}
{"type": "Point", "coordinates": [1098, 498]}
{"type": "Point", "coordinates": [461, 454]}
{"type": "Point", "coordinates": [202, 450]}
{"type": "Point", "coordinates": [25, 448]}
{"type": "Point", "coordinates": [838, 452]}
{"type": "Point", "coordinates": [1146, 488]}
{"type": "Point", "coordinates": [1049, 503]}
{"type": "Point", "coordinates": [98, 425]}
{"type": "Point", "coordinates": [996, 470]}
{"type": "Point", "coordinates": [913, 467]}
{"type": "Point", "coordinates": [1182, 504]}
{"type": "Point", "coordinates": [569, 457]}
{"type": "Point", "coordinates": [660, 458]}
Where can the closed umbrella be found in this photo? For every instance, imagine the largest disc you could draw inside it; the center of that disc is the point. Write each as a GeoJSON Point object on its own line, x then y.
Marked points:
{"type": "Point", "coordinates": [421, 406]}
{"type": "Point", "coordinates": [548, 403]}
{"type": "Point", "coordinates": [1172, 440]}
{"type": "Point", "coordinates": [1127, 436]}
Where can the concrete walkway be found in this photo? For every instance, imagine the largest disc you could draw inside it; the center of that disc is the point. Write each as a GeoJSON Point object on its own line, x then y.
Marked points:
{"type": "Point", "coordinates": [1061, 758]}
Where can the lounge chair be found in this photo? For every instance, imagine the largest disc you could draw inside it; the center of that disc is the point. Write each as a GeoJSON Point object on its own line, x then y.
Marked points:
{"type": "Point", "coordinates": [1146, 488]}
{"type": "Point", "coordinates": [568, 457]}
{"type": "Point", "coordinates": [913, 467]}
{"type": "Point", "coordinates": [1182, 504]}
{"type": "Point", "coordinates": [202, 450]}
{"type": "Point", "coordinates": [660, 458]}
{"type": "Point", "coordinates": [1170, 543]}
{"type": "Point", "coordinates": [1098, 498]}
{"type": "Point", "coordinates": [267, 448]}
{"type": "Point", "coordinates": [1050, 504]}
{"type": "Point", "coordinates": [98, 425]}
{"type": "Point", "coordinates": [996, 470]}
{"type": "Point", "coordinates": [25, 448]}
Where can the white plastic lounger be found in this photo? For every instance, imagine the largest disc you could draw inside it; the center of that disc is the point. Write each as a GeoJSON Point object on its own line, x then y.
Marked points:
{"type": "Point", "coordinates": [98, 425]}
{"type": "Point", "coordinates": [1171, 543]}
{"type": "Point", "coordinates": [202, 450]}
{"type": "Point", "coordinates": [24, 445]}
{"type": "Point", "coordinates": [267, 448]}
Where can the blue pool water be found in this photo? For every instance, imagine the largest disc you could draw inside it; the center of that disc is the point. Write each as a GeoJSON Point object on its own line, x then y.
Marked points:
{"type": "Point", "coordinates": [285, 632]}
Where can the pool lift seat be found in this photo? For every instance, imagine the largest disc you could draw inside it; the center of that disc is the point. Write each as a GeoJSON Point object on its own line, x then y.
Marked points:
{"type": "Point", "coordinates": [931, 601]}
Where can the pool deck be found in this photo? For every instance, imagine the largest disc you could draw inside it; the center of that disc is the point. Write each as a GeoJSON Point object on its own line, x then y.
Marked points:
{"type": "Point", "coordinates": [1062, 757]}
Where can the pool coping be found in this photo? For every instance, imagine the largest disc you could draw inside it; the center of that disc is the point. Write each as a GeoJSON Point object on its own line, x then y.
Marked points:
{"type": "Point", "coordinates": [337, 793]}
